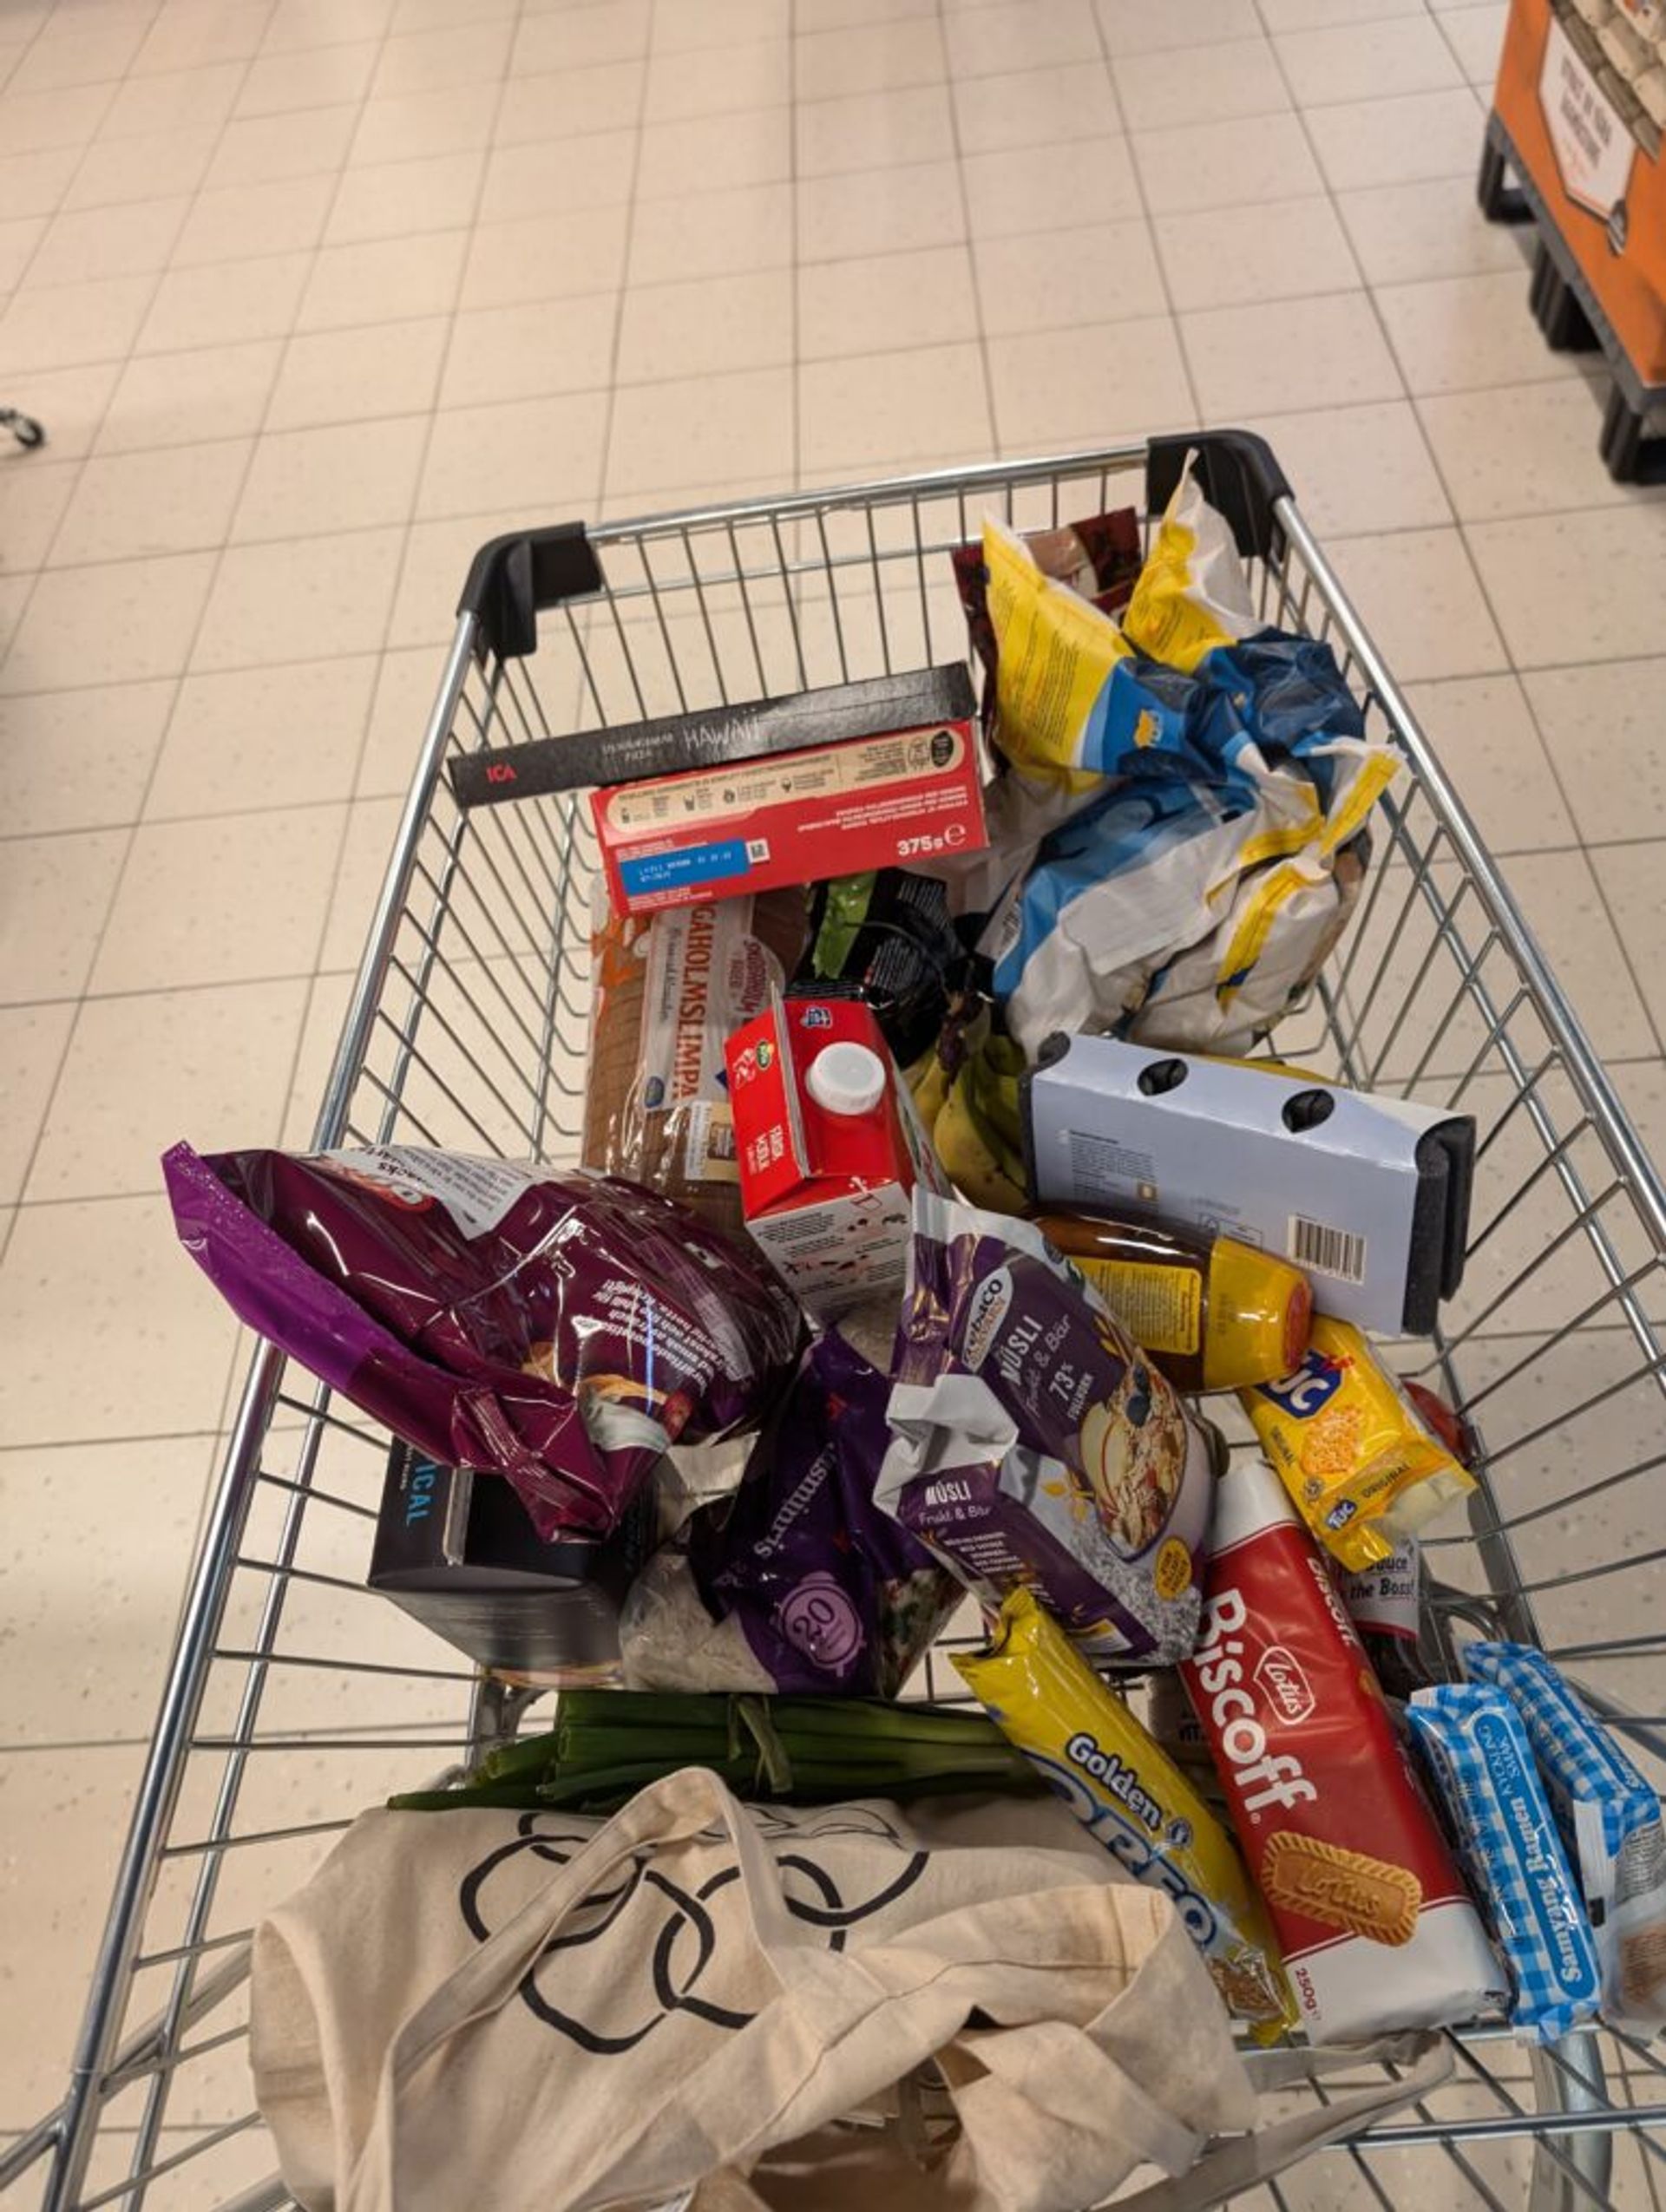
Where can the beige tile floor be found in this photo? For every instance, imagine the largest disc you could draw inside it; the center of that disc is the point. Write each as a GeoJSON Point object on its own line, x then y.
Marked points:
{"type": "Point", "coordinates": [314, 294]}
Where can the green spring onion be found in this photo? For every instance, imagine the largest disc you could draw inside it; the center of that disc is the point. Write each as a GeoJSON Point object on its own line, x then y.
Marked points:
{"type": "Point", "coordinates": [606, 1744]}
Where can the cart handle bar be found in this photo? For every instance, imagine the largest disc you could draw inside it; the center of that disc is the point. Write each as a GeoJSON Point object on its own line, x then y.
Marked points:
{"type": "Point", "coordinates": [514, 579]}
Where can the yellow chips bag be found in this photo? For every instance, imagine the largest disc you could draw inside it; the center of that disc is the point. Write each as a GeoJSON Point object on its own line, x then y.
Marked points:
{"type": "Point", "coordinates": [1128, 1792]}
{"type": "Point", "coordinates": [1192, 593]}
{"type": "Point", "coordinates": [1057, 654]}
{"type": "Point", "coordinates": [1362, 1469]}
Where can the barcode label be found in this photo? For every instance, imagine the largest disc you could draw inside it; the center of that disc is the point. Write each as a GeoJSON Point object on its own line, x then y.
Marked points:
{"type": "Point", "coordinates": [757, 848]}
{"type": "Point", "coordinates": [1326, 1251]}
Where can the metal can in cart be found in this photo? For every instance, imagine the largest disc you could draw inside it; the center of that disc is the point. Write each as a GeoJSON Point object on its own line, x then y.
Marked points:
{"type": "Point", "coordinates": [296, 1696]}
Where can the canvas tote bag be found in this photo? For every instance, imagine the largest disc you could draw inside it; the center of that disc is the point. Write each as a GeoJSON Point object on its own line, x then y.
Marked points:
{"type": "Point", "coordinates": [541, 2010]}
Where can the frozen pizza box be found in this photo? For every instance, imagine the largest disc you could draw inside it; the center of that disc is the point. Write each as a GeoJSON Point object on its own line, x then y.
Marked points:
{"type": "Point", "coordinates": [748, 729]}
{"type": "Point", "coordinates": [901, 798]}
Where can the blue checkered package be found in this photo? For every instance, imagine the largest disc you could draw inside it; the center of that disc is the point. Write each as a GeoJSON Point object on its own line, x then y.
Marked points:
{"type": "Point", "coordinates": [1610, 1822]}
{"type": "Point", "coordinates": [1475, 1748]}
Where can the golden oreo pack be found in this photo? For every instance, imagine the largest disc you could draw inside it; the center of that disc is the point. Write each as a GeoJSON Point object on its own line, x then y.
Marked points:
{"type": "Point", "coordinates": [1360, 1467]}
{"type": "Point", "coordinates": [1127, 1791]}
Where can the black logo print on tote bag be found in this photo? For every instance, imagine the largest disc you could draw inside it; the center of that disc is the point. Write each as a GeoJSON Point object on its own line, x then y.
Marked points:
{"type": "Point", "coordinates": [662, 1933]}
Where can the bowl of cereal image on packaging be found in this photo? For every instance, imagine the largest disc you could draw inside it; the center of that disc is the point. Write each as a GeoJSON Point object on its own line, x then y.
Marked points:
{"type": "Point", "coordinates": [1133, 1447]}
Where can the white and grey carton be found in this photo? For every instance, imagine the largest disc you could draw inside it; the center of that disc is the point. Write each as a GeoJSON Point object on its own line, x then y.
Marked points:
{"type": "Point", "coordinates": [1368, 1194]}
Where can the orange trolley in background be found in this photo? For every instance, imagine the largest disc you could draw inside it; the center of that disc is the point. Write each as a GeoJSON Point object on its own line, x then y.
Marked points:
{"type": "Point", "coordinates": [1573, 118]}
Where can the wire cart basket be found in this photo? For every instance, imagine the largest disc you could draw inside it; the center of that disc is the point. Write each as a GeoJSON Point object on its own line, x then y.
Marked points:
{"type": "Point", "coordinates": [295, 1697]}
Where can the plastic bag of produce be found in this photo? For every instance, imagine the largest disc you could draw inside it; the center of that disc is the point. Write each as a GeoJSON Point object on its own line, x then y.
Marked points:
{"type": "Point", "coordinates": [560, 1330]}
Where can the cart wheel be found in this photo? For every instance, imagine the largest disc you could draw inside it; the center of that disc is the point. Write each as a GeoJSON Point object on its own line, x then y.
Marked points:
{"type": "Point", "coordinates": [24, 428]}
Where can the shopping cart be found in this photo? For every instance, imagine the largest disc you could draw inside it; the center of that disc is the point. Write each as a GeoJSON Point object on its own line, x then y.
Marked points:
{"type": "Point", "coordinates": [295, 1697]}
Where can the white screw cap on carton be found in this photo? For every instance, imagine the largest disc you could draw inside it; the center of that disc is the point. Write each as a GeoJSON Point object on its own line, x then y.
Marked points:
{"type": "Point", "coordinates": [846, 1079]}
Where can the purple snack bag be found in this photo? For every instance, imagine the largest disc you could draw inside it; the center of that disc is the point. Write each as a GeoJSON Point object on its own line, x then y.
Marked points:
{"type": "Point", "coordinates": [560, 1330]}
{"type": "Point", "coordinates": [798, 1582]}
{"type": "Point", "coordinates": [832, 1593]}
{"type": "Point", "coordinates": [1035, 1445]}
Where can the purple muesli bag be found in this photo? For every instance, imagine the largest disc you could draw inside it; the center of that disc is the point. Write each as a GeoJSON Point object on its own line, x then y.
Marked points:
{"type": "Point", "coordinates": [798, 1582]}
{"type": "Point", "coordinates": [1034, 1444]}
{"type": "Point", "coordinates": [560, 1330]}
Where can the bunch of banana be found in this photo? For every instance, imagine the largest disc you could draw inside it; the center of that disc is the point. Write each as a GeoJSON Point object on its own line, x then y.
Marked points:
{"type": "Point", "coordinates": [965, 1090]}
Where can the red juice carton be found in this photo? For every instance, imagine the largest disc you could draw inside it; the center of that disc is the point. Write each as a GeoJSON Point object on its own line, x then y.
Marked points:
{"type": "Point", "coordinates": [830, 1150]}
{"type": "Point", "coordinates": [901, 798]}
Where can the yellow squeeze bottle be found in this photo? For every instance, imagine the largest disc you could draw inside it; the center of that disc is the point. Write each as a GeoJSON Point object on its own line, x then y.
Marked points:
{"type": "Point", "coordinates": [1214, 1314]}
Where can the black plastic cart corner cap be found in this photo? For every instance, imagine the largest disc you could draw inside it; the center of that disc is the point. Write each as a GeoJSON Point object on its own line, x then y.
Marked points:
{"type": "Point", "coordinates": [1237, 473]}
{"type": "Point", "coordinates": [513, 579]}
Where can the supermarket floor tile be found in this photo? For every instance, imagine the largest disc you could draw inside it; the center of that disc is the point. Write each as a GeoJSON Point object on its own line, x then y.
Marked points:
{"type": "Point", "coordinates": [1479, 438]}
{"type": "Point", "coordinates": [1359, 469]}
{"type": "Point", "coordinates": [1633, 878]}
{"type": "Point", "coordinates": [1527, 567]}
{"type": "Point", "coordinates": [100, 1270]}
{"type": "Point", "coordinates": [1404, 233]}
{"type": "Point", "coordinates": [314, 296]}
{"type": "Point", "coordinates": [1601, 725]}
{"type": "Point", "coordinates": [218, 1060]}
{"type": "Point", "coordinates": [188, 910]}
{"type": "Point", "coordinates": [901, 300]}
{"type": "Point", "coordinates": [1428, 613]}
{"type": "Point", "coordinates": [88, 1625]}
{"type": "Point", "coordinates": [1483, 730]}
{"type": "Point", "coordinates": [32, 1040]}
{"type": "Point", "coordinates": [181, 399]}
{"type": "Point", "coordinates": [1398, 140]}
{"type": "Point", "coordinates": [1312, 352]}
{"type": "Point", "coordinates": [54, 1902]}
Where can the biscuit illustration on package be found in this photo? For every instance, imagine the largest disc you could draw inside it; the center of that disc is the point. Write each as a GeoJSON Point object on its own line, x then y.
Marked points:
{"type": "Point", "coordinates": [1333, 1441]}
{"type": "Point", "coordinates": [1345, 1889]}
{"type": "Point", "coordinates": [1377, 1929]}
